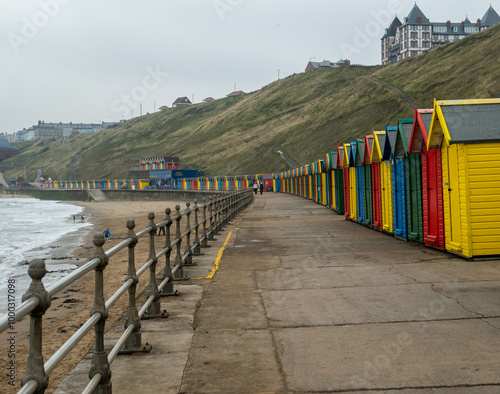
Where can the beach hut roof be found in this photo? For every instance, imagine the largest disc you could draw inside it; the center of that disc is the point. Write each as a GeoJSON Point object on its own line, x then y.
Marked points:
{"type": "Point", "coordinates": [378, 140]}
{"type": "Point", "coordinates": [465, 121]}
{"type": "Point", "coordinates": [403, 137]}
{"type": "Point", "coordinates": [352, 154]}
{"type": "Point", "coordinates": [390, 142]}
{"type": "Point", "coordinates": [340, 156]}
{"type": "Point", "coordinates": [360, 151]}
{"type": "Point", "coordinates": [367, 154]}
{"type": "Point", "coordinates": [333, 160]}
{"type": "Point", "coordinates": [345, 158]}
{"type": "Point", "coordinates": [421, 124]}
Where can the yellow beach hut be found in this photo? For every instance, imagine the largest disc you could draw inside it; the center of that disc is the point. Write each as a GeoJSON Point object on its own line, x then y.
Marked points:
{"type": "Point", "coordinates": [468, 134]}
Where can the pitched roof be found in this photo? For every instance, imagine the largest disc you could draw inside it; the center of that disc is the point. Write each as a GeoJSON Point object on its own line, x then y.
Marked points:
{"type": "Point", "coordinates": [412, 18]}
{"type": "Point", "coordinates": [367, 155]}
{"type": "Point", "coordinates": [235, 93]}
{"type": "Point", "coordinates": [205, 100]}
{"type": "Point", "coordinates": [469, 121]}
{"type": "Point", "coordinates": [390, 142]}
{"type": "Point", "coordinates": [182, 100]}
{"type": "Point", "coordinates": [391, 30]}
{"type": "Point", "coordinates": [360, 152]}
{"type": "Point", "coordinates": [5, 145]}
{"type": "Point", "coordinates": [490, 18]}
{"type": "Point", "coordinates": [421, 125]}
{"type": "Point", "coordinates": [378, 139]}
{"type": "Point", "coordinates": [403, 137]}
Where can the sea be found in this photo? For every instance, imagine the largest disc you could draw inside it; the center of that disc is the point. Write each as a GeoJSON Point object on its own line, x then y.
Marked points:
{"type": "Point", "coordinates": [32, 228]}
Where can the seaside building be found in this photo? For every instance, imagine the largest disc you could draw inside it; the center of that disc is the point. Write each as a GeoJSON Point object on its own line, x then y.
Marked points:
{"type": "Point", "coordinates": [181, 101]}
{"type": "Point", "coordinates": [7, 150]}
{"type": "Point", "coordinates": [417, 34]}
{"type": "Point", "coordinates": [47, 130]}
{"type": "Point", "coordinates": [326, 64]}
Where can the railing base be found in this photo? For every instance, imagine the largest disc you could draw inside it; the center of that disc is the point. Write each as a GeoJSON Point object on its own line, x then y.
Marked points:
{"type": "Point", "coordinates": [168, 290]}
{"type": "Point", "coordinates": [147, 316]}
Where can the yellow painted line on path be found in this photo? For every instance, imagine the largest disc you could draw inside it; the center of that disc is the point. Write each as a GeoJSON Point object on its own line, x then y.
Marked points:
{"type": "Point", "coordinates": [221, 250]}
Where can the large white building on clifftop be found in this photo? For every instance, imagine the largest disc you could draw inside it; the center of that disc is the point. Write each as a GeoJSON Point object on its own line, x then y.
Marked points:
{"type": "Point", "coordinates": [417, 33]}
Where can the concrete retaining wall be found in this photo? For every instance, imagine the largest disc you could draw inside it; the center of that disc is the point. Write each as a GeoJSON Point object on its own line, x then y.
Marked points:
{"type": "Point", "coordinates": [116, 195]}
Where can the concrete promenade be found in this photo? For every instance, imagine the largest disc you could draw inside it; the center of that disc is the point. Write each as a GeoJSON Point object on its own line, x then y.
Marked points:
{"type": "Point", "coordinates": [305, 301]}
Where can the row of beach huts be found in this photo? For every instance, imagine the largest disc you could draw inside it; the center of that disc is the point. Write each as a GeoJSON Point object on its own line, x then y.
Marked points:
{"type": "Point", "coordinates": [432, 179]}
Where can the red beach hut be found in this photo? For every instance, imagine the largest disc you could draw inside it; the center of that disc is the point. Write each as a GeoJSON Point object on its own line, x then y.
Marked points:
{"type": "Point", "coordinates": [432, 186]}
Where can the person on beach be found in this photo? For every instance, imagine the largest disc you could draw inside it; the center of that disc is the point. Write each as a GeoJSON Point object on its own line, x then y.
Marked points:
{"type": "Point", "coordinates": [255, 187]}
{"type": "Point", "coordinates": [161, 230]}
{"type": "Point", "coordinates": [107, 234]}
{"type": "Point", "coordinates": [74, 219]}
{"type": "Point", "coordinates": [83, 220]}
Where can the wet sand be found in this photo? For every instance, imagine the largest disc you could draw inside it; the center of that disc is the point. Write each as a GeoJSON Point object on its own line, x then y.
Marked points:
{"type": "Point", "coordinates": [71, 307]}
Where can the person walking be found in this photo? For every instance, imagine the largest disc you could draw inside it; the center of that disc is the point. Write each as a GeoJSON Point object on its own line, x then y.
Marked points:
{"type": "Point", "coordinates": [107, 234]}
{"type": "Point", "coordinates": [255, 187]}
{"type": "Point", "coordinates": [161, 230]}
{"type": "Point", "coordinates": [261, 188]}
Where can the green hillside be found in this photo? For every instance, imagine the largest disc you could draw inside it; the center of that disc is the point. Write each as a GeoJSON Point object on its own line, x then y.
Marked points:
{"type": "Point", "coordinates": [305, 115]}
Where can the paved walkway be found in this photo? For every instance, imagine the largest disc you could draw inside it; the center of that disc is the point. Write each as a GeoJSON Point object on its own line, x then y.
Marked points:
{"type": "Point", "coordinates": [305, 301]}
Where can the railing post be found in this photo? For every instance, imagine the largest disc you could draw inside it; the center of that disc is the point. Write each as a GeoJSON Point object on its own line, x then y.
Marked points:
{"type": "Point", "coordinates": [100, 363]}
{"type": "Point", "coordinates": [187, 250]}
{"type": "Point", "coordinates": [196, 241]}
{"type": "Point", "coordinates": [34, 367]}
{"type": "Point", "coordinates": [179, 274]}
{"type": "Point", "coordinates": [204, 242]}
{"type": "Point", "coordinates": [218, 205]}
{"type": "Point", "coordinates": [211, 225]}
{"type": "Point", "coordinates": [134, 341]}
{"type": "Point", "coordinates": [155, 307]}
{"type": "Point", "coordinates": [168, 289]}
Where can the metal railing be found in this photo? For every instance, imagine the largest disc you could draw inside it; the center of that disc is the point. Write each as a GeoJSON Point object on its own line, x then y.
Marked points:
{"type": "Point", "coordinates": [215, 212]}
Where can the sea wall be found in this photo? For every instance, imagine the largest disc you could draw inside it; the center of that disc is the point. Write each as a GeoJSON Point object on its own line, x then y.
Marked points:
{"type": "Point", "coordinates": [158, 195]}
{"type": "Point", "coordinates": [114, 195]}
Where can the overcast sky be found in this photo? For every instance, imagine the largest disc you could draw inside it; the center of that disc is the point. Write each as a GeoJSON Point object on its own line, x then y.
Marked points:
{"type": "Point", "coordinates": [97, 60]}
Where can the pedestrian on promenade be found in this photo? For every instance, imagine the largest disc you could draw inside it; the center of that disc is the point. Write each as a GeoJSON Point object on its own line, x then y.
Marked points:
{"type": "Point", "coordinates": [255, 187]}
{"type": "Point", "coordinates": [261, 187]}
{"type": "Point", "coordinates": [107, 234]}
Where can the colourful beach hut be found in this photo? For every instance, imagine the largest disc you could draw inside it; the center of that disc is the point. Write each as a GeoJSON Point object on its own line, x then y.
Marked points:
{"type": "Point", "coordinates": [425, 169]}
{"type": "Point", "coordinates": [360, 181]}
{"type": "Point", "coordinates": [352, 181]}
{"type": "Point", "coordinates": [467, 133]}
{"type": "Point", "coordinates": [376, 159]}
{"type": "Point", "coordinates": [339, 182]}
{"type": "Point", "coordinates": [367, 177]}
{"type": "Point", "coordinates": [400, 178]}
{"type": "Point", "coordinates": [330, 164]}
{"type": "Point", "coordinates": [417, 150]}
{"type": "Point", "coordinates": [347, 188]}
{"type": "Point", "coordinates": [386, 179]}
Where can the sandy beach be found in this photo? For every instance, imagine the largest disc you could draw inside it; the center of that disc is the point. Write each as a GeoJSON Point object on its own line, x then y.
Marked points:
{"type": "Point", "coordinates": [71, 307]}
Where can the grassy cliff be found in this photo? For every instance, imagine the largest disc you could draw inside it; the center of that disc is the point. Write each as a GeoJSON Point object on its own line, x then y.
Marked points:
{"type": "Point", "coordinates": [305, 115]}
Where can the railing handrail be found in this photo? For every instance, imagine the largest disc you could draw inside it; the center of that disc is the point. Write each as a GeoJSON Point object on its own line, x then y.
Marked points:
{"type": "Point", "coordinates": [220, 210]}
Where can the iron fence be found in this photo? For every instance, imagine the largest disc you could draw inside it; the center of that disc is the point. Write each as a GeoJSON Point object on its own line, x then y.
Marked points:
{"type": "Point", "coordinates": [215, 213]}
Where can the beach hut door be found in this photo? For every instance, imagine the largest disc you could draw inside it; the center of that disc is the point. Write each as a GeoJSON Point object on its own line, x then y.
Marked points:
{"type": "Point", "coordinates": [451, 186]}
